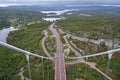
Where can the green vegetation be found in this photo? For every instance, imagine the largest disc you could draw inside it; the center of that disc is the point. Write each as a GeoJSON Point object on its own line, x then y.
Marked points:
{"type": "Point", "coordinates": [71, 54]}
{"type": "Point", "coordinates": [50, 44]}
{"type": "Point", "coordinates": [82, 72]}
{"type": "Point", "coordinates": [41, 70]}
{"type": "Point", "coordinates": [102, 12]}
{"type": "Point", "coordinates": [31, 33]}
{"type": "Point", "coordinates": [102, 62]}
{"type": "Point", "coordinates": [89, 47]}
{"type": "Point", "coordinates": [4, 22]}
{"type": "Point", "coordinates": [26, 38]}
{"type": "Point", "coordinates": [10, 64]}
{"type": "Point", "coordinates": [49, 32]}
{"type": "Point", "coordinates": [9, 17]}
{"type": "Point", "coordinates": [92, 27]}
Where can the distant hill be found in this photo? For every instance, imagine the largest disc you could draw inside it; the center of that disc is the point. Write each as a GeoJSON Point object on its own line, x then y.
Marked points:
{"type": "Point", "coordinates": [9, 16]}
{"type": "Point", "coordinates": [59, 7]}
{"type": "Point", "coordinates": [99, 12]}
{"type": "Point", "coordinates": [28, 12]}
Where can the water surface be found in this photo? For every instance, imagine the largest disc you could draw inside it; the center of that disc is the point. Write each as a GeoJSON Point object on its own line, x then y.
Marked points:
{"type": "Point", "coordinates": [4, 33]}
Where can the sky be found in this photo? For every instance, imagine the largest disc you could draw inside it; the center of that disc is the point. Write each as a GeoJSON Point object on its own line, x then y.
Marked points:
{"type": "Point", "coordinates": [4, 3]}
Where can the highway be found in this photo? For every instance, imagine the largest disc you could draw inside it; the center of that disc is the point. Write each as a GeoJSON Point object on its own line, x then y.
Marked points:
{"type": "Point", "coordinates": [60, 71]}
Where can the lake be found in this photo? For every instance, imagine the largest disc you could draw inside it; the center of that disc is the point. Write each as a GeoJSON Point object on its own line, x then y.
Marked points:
{"type": "Point", "coordinates": [4, 33]}
{"type": "Point", "coordinates": [51, 19]}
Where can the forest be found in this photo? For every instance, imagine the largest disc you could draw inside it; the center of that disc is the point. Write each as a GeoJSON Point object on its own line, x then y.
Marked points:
{"type": "Point", "coordinates": [93, 27]}
{"type": "Point", "coordinates": [29, 36]}
{"type": "Point", "coordinates": [14, 18]}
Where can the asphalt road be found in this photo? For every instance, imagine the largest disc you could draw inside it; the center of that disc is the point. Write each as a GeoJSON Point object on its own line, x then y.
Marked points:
{"type": "Point", "coordinates": [60, 71]}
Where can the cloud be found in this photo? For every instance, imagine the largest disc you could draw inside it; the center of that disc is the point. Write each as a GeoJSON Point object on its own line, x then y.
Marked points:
{"type": "Point", "coordinates": [5, 5]}
{"type": "Point", "coordinates": [78, 2]}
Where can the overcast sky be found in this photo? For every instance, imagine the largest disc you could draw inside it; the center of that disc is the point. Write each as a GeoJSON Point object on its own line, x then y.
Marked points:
{"type": "Point", "coordinates": [78, 2]}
